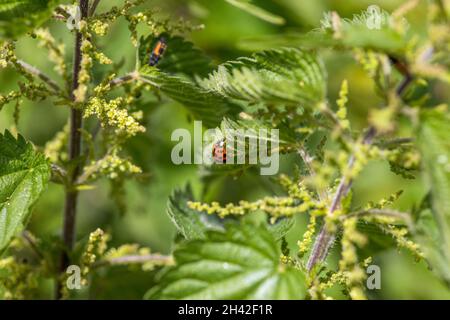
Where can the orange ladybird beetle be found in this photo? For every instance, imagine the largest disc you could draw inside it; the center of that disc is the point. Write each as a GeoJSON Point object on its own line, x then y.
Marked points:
{"type": "Point", "coordinates": [220, 152]}
{"type": "Point", "coordinates": [158, 51]}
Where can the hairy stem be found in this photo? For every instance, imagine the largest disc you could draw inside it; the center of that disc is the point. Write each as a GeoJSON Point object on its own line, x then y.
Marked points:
{"type": "Point", "coordinates": [76, 123]}
{"type": "Point", "coordinates": [41, 75]}
{"type": "Point", "coordinates": [307, 160]}
{"type": "Point", "coordinates": [325, 239]}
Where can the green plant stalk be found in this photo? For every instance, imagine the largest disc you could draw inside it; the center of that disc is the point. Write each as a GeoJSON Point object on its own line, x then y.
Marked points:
{"type": "Point", "coordinates": [76, 124]}
{"type": "Point", "coordinates": [38, 73]}
{"type": "Point", "coordinates": [325, 239]}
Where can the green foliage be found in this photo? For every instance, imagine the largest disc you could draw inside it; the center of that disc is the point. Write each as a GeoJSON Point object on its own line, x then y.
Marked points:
{"type": "Point", "coordinates": [238, 241]}
{"type": "Point", "coordinates": [389, 34]}
{"type": "Point", "coordinates": [283, 76]}
{"type": "Point", "coordinates": [280, 228]}
{"type": "Point", "coordinates": [193, 225]}
{"type": "Point", "coordinates": [24, 175]}
{"type": "Point", "coordinates": [189, 222]}
{"type": "Point", "coordinates": [206, 105]}
{"type": "Point", "coordinates": [180, 56]}
{"type": "Point", "coordinates": [241, 263]}
{"type": "Point", "coordinates": [435, 151]}
{"type": "Point", "coordinates": [247, 6]}
{"type": "Point", "coordinates": [20, 16]}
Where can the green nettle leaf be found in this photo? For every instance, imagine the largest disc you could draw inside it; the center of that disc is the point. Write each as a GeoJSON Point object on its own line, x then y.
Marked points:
{"type": "Point", "coordinates": [362, 31]}
{"type": "Point", "coordinates": [428, 236]}
{"type": "Point", "coordinates": [242, 131]}
{"type": "Point", "coordinates": [311, 40]}
{"type": "Point", "coordinates": [24, 174]}
{"type": "Point", "coordinates": [287, 76]}
{"type": "Point", "coordinates": [205, 105]}
{"type": "Point", "coordinates": [247, 6]}
{"type": "Point", "coordinates": [280, 228]}
{"type": "Point", "coordinates": [241, 263]}
{"type": "Point", "coordinates": [190, 223]}
{"type": "Point", "coordinates": [384, 39]}
{"type": "Point", "coordinates": [20, 16]}
{"type": "Point", "coordinates": [180, 56]}
{"type": "Point", "coordinates": [352, 36]}
{"type": "Point", "coordinates": [250, 128]}
{"type": "Point", "coordinates": [435, 151]}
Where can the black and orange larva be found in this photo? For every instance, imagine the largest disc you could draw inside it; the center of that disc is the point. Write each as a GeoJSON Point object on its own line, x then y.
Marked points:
{"type": "Point", "coordinates": [158, 51]}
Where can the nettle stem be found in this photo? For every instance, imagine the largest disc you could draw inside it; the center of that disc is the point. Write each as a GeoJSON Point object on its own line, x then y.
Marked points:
{"type": "Point", "coordinates": [76, 124]}
{"type": "Point", "coordinates": [325, 238]}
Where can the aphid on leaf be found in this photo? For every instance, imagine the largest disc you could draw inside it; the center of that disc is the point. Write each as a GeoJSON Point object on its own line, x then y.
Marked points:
{"type": "Point", "coordinates": [158, 51]}
{"type": "Point", "coordinates": [220, 152]}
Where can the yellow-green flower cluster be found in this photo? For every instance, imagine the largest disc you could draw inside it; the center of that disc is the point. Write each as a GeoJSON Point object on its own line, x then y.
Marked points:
{"type": "Point", "coordinates": [350, 237]}
{"type": "Point", "coordinates": [55, 149]}
{"type": "Point", "coordinates": [95, 248]}
{"type": "Point", "coordinates": [56, 51]}
{"type": "Point", "coordinates": [409, 159]}
{"type": "Point", "coordinates": [342, 277]}
{"type": "Point", "coordinates": [133, 21]}
{"type": "Point", "coordinates": [111, 166]}
{"type": "Point", "coordinates": [336, 278]}
{"type": "Point", "coordinates": [305, 243]}
{"type": "Point", "coordinates": [89, 53]}
{"type": "Point", "coordinates": [324, 172]}
{"type": "Point", "coordinates": [404, 161]}
{"type": "Point", "coordinates": [295, 190]}
{"type": "Point", "coordinates": [348, 264]}
{"type": "Point", "coordinates": [100, 23]}
{"type": "Point", "coordinates": [31, 91]}
{"type": "Point", "coordinates": [384, 202]}
{"type": "Point", "coordinates": [6, 53]}
{"type": "Point", "coordinates": [5, 99]}
{"type": "Point", "coordinates": [102, 58]}
{"type": "Point", "coordinates": [362, 153]}
{"type": "Point", "coordinates": [18, 279]}
{"type": "Point", "coordinates": [276, 207]}
{"type": "Point", "coordinates": [99, 27]}
{"type": "Point", "coordinates": [84, 77]}
{"type": "Point", "coordinates": [342, 106]}
{"type": "Point", "coordinates": [399, 235]}
{"type": "Point", "coordinates": [111, 114]}
{"type": "Point", "coordinates": [369, 60]}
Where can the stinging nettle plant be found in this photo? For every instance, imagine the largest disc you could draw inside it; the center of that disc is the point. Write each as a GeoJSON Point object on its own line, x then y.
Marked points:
{"type": "Point", "coordinates": [235, 250]}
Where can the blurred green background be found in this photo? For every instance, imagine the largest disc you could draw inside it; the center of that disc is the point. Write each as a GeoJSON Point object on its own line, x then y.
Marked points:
{"type": "Point", "coordinates": [146, 221]}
